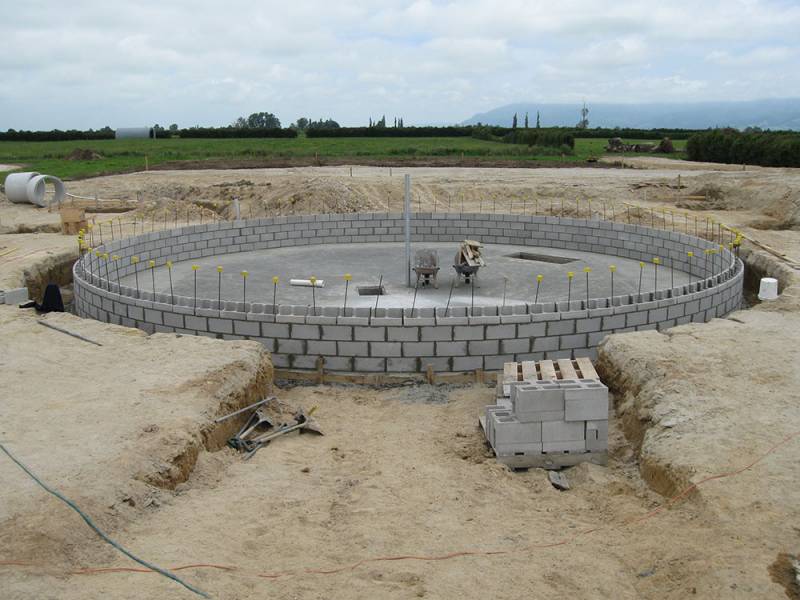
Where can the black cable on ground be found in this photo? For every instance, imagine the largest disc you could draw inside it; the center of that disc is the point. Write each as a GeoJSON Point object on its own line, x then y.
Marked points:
{"type": "Point", "coordinates": [97, 530]}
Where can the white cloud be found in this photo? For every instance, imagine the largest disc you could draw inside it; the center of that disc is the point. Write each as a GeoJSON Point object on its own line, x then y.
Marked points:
{"type": "Point", "coordinates": [89, 63]}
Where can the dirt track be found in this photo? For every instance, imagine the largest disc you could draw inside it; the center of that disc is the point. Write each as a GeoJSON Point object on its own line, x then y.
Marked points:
{"type": "Point", "coordinates": [403, 471]}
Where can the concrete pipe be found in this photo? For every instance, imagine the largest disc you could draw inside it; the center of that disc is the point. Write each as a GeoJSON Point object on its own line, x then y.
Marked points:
{"type": "Point", "coordinates": [17, 186]}
{"type": "Point", "coordinates": [36, 189]}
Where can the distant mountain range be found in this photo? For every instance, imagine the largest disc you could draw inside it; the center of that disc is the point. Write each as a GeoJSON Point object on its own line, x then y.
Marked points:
{"type": "Point", "coordinates": [767, 114]}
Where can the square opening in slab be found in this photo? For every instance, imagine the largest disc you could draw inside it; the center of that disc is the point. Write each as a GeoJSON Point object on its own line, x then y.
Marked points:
{"type": "Point", "coordinates": [371, 290]}
{"type": "Point", "coordinates": [546, 258]}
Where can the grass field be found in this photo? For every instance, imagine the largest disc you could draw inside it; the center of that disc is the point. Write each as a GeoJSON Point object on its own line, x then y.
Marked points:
{"type": "Point", "coordinates": [130, 155]}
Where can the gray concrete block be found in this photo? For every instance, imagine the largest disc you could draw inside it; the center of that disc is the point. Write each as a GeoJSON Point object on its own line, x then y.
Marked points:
{"type": "Point", "coordinates": [615, 322]}
{"type": "Point", "coordinates": [353, 348]}
{"type": "Point", "coordinates": [597, 435]}
{"type": "Point", "coordinates": [272, 330]}
{"type": "Point", "coordinates": [468, 333]}
{"type": "Point", "coordinates": [495, 362]}
{"type": "Point", "coordinates": [566, 327]}
{"type": "Point", "coordinates": [173, 320]}
{"type": "Point", "coordinates": [500, 332]}
{"type": "Point", "coordinates": [402, 365]}
{"type": "Point", "coordinates": [402, 334]}
{"type": "Point", "coordinates": [545, 344]}
{"type": "Point", "coordinates": [248, 328]}
{"type": "Point", "coordinates": [153, 316]}
{"type": "Point", "coordinates": [436, 334]}
{"type": "Point", "coordinates": [564, 446]}
{"type": "Point", "coordinates": [268, 343]}
{"type": "Point", "coordinates": [369, 365]}
{"type": "Point", "coordinates": [15, 296]}
{"type": "Point", "coordinates": [555, 431]}
{"type": "Point", "coordinates": [587, 325]}
{"type": "Point", "coordinates": [515, 346]}
{"type": "Point", "coordinates": [418, 349]}
{"type": "Point", "coordinates": [586, 404]}
{"type": "Point", "coordinates": [531, 330]}
{"type": "Point", "coordinates": [451, 348]}
{"type": "Point", "coordinates": [306, 332]}
{"type": "Point", "coordinates": [636, 318]}
{"type": "Point", "coordinates": [467, 363]}
{"type": "Point", "coordinates": [220, 326]}
{"type": "Point", "coordinates": [568, 342]}
{"type": "Point", "coordinates": [384, 349]}
{"type": "Point", "coordinates": [337, 333]}
{"type": "Point", "coordinates": [369, 334]}
{"type": "Point", "coordinates": [291, 347]}
{"type": "Point", "coordinates": [318, 347]}
{"type": "Point", "coordinates": [508, 430]}
{"type": "Point", "coordinates": [136, 313]}
{"type": "Point", "coordinates": [484, 347]}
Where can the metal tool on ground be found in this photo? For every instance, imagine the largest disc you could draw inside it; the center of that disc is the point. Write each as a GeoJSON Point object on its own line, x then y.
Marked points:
{"type": "Point", "coordinates": [245, 409]}
{"type": "Point", "coordinates": [302, 422]}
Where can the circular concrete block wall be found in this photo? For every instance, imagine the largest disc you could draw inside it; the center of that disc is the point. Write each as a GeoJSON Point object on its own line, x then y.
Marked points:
{"type": "Point", "coordinates": [393, 339]}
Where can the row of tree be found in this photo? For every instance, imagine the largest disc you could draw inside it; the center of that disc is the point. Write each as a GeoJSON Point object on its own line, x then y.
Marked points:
{"type": "Point", "coordinates": [767, 149]}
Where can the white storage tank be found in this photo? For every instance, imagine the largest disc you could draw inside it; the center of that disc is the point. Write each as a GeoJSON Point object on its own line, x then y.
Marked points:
{"type": "Point", "coordinates": [130, 133]}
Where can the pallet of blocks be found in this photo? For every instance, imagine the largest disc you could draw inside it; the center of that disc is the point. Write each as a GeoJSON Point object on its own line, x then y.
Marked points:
{"type": "Point", "coordinates": [548, 414]}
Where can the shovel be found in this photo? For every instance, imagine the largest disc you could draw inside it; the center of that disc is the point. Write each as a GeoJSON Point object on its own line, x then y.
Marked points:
{"type": "Point", "coordinates": [302, 423]}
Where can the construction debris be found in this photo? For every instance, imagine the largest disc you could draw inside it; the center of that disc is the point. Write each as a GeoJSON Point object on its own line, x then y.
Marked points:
{"type": "Point", "coordinates": [468, 260]}
{"type": "Point", "coordinates": [559, 480]}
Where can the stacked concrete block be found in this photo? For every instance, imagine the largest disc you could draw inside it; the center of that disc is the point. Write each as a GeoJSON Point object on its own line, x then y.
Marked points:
{"type": "Point", "coordinates": [547, 418]}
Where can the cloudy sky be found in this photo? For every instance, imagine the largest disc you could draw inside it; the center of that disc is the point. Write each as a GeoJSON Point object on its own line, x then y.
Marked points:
{"type": "Point", "coordinates": [90, 63]}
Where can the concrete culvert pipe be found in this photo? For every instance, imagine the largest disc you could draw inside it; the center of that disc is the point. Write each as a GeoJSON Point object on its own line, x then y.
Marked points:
{"type": "Point", "coordinates": [17, 186]}
{"type": "Point", "coordinates": [37, 186]}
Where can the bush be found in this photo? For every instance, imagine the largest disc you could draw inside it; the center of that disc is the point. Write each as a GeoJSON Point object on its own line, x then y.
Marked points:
{"type": "Point", "coordinates": [552, 138]}
{"type": "Point", "coordinates": [393, 132]}
{"type": "Point", "coordinates": [235, 132]}
{"type": "Point", "coordinates": [56, 135]}
{"type": "Point", "coordinates": [770, 149]}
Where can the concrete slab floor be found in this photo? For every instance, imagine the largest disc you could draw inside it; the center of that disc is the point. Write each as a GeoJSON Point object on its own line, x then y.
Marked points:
{"type": "Point", "coordinates": [367, 262]}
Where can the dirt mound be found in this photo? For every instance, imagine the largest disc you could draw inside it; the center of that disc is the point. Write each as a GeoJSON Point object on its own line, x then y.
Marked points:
{"type": "Point", "coordinates": [83, 154]}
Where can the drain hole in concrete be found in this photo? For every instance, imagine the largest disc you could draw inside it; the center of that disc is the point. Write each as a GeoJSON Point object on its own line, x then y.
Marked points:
{"type": "Point", "coordinates": [548, 258]}
{"type": "Point", "coordinates": [371, 290]}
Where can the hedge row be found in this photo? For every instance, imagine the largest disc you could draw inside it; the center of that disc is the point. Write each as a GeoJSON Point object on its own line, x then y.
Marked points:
{"type": "Point", "coordinates": [552, 138]}
{"type": "Point", "coordinates": [56, 135]}
{"type": "Point", "coordinates": [231, 132]}
{"type": "Point", "coordinates": [394, 132]}
{"type": "Point", "coordinates": [731, 146]}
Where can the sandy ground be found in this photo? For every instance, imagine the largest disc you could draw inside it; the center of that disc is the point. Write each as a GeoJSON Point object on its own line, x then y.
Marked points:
{"type": "Point", "coordinates": [403, 471]}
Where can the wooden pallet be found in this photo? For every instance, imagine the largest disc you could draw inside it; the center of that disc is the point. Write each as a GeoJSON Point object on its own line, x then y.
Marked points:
{"type": "Point", "coordinates": [546, 370]}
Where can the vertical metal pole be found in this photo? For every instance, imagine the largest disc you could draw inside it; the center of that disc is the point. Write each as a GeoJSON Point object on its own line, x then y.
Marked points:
{"type": "Point", "coordinates": [407, 215]}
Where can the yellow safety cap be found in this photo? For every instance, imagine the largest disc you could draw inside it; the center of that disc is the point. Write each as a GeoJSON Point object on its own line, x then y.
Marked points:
{"type": "Point", "coordinates": [312, 279]}
{"type": "Point", "coordinates": [612, 267]}
{"type": "Point", "coordinates": [245, 274]}
{"type": "Point", "coordinates": [656, 261]}
{"type": "Point", "coordinates": [114, 257]}
{"type": "Point", "coordinates": [587, 269]}
{"type": "Point", "coordinates": [152, 263]}
{"type": "Point", "coordinates": [275, 279]}
{"type": "Point", "coordinates": [134, 259]}
{"type": "Point", "coordinates": [570, 274]}
{"type": "Point", "coordinates": [641, 265]}
{"type": "Point", "coordinates": [539, 278]}
{"type": "Point", "coordinates": [169, 264]}
{"type": "Point", "coordinates": [690, 254]}
{"type": "Point", "coordinates": [195, 267]}
{"type": "Point", "coordinates": [348, 277]}
{"type": "Point", "coordinates": [219, 269]}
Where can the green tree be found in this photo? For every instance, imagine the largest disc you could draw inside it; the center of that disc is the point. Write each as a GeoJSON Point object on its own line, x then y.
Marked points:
{"type": "Point", "coordinates": [263, 120]}
{"type": "Point", "coordinates": [526, 120]}
{"type": "Point", "coordinates": [538, 122]}
{"type": "Point", "coordinates": [301, 124]}
{"type": "Point", "coordinates": [514, 122]}
{"type": "Point", "coordinates": [174, 127]}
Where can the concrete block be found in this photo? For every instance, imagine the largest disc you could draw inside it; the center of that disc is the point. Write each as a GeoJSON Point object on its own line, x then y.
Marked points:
{"type": "Point", "coordinates": [568, 342]}
{"type": "Point", "coordinates": [587, 325]}
{"type": "Point", "coordinates": [220, 325]}
{"type": "Point", "coordinates": [291, 347]}
{"type": "Point", "coordinates": [484, 347]}
{"type": "Point", "coordinates": [554, 431]}
{"type": "Point", "coordinates": [337, 333]}
{"type": "Point", "coordinates": [15, 296]}
{"type": "Point", "coordinates": [576, 446]}
{"type": "Point", "coordinates": [518, 449]}
{"type": "Point", "coordinates": [586, 404]}
{"type": "Point", "coordinates": [467, 363]}
{"type": "Point", "coordinates": [401, 365]}
{"type": "Point", "coordinates": [528, 398]}
{"type": "Point", "coordinates": [384, 349]}
{"type": "Point", "coordinates": [566, 327]}
{"type": "Point", "coordinates": [353, 348]}
{"type": "Point", "coordinates": [545, 344]}
{"type": "Point", "coordinates": [248, 328]}
{"type": "Point", "coordinates": [436, 334]}
{"type": "Point", "coordinates": [402, 334]}
{"type": "Point", "coordinates": [418, 349]}
{"type": "Point", "coordinates": [615, 322]}
{"type": "Point", "coordinates": [305, 332]}
{"type": "Point", "coordinates": [531, 330]}
{"type": "Point", "coordinates": [636, 318]}
{"type": "Point", "coordinates": [271, 330]}
{"type": "Point", "coordinates": [153, 316]}
{"type": "Point", "coordinates": [369, 365]}
{"type": "Point", "coordinates": [318, 347]}
{"type": "Point", "coordinates": [451, 348]}
{"type": "Point", "coordinates": [515, 346]}
{"type": "Point", "coordinates": [508, 430]}
{"type": "Point", "coordinates": [173, 320]}
{"type": "Point", "coordinates": [500, 332]}
{"type": "Point", "coordinates": [597, 435]}
{"type": "Point", "coordinates": [468, 333]}
{"type": "Point", "coordinates": [495, 362]}
{"type": "Point", "coordinates": [369, 334]}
